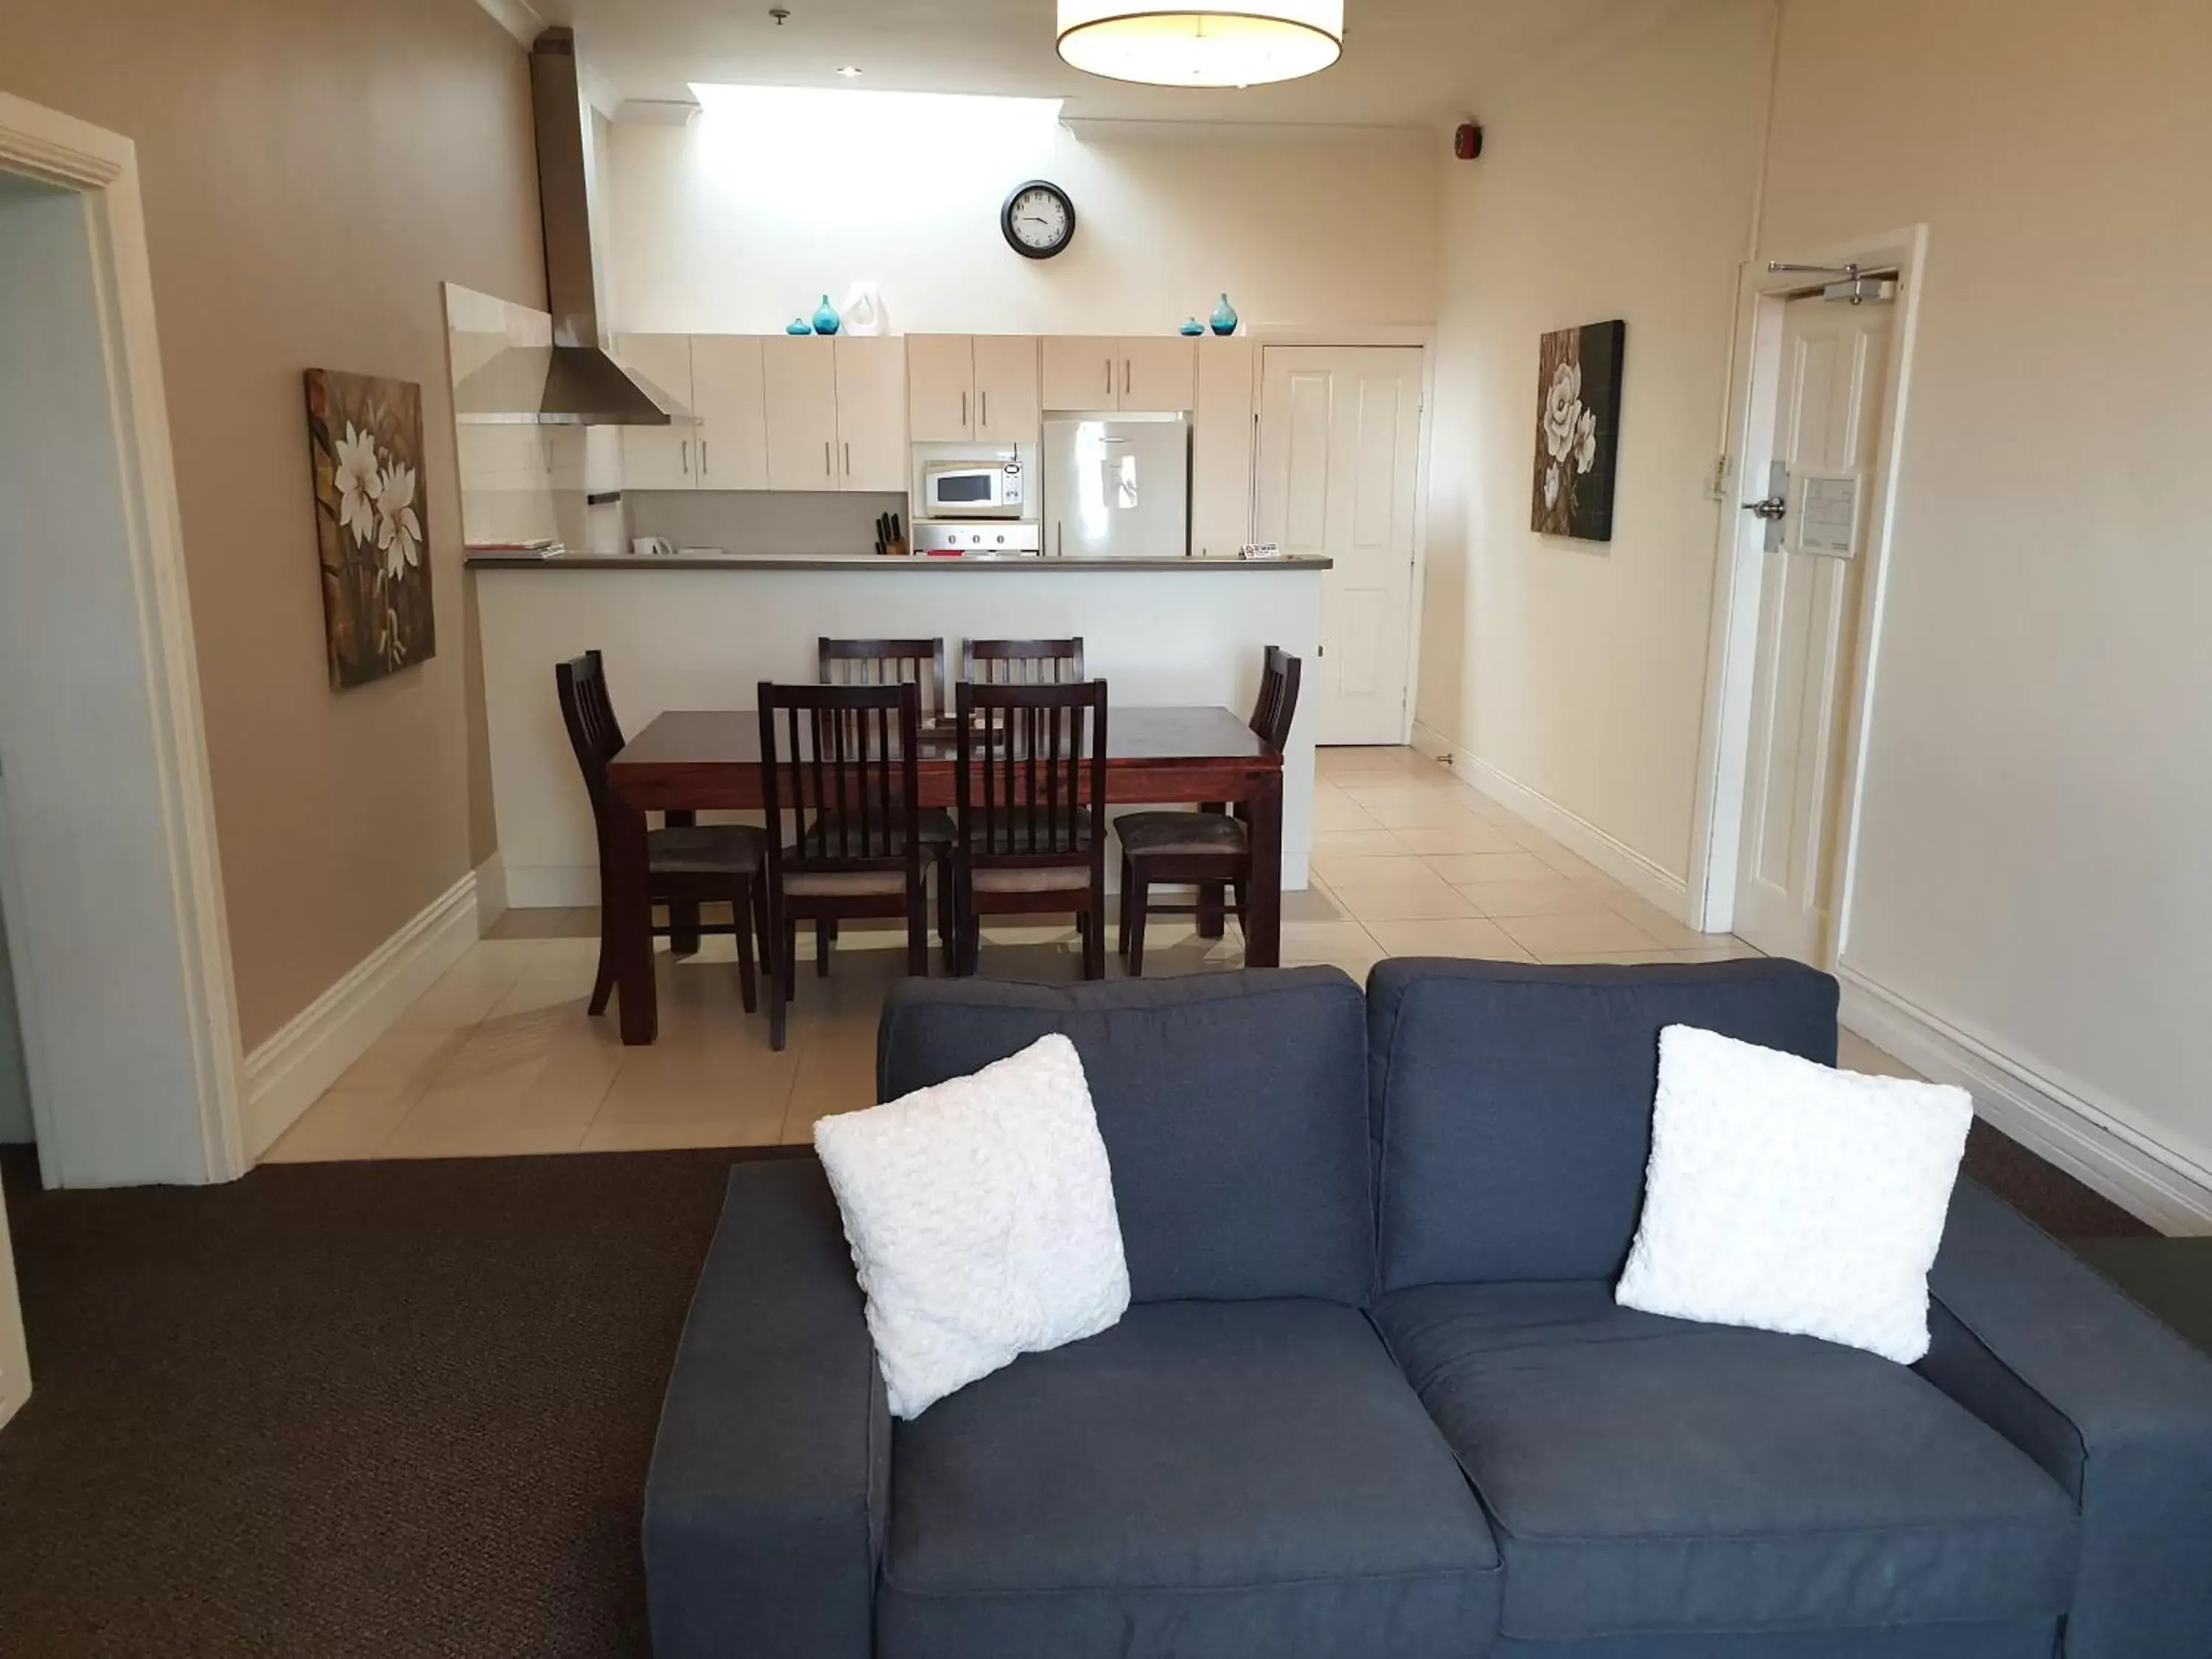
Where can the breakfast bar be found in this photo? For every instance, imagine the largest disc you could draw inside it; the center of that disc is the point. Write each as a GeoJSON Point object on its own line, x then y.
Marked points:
{"type": "Point", "coordinates": [700, 632]}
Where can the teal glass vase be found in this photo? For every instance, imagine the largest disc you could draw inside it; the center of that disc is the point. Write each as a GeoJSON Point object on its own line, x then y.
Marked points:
{"type": "Point", "coordinates": [1224, 316]}
{"type": "Point", "coordinates": [798, 326]}
{"type": "Point", "coordinates": [1194, 326]}
{"type": "Point", "coordinates": [826, 320]}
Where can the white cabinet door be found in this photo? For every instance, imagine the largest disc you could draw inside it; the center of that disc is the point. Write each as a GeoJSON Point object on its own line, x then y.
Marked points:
{"type": "Point", "coordinates": [658, 457]}
{"type": "Point", "coordinates": [1158, 375]}
{"type": "Point", "coordinates": [1221, 449]}
{"type": "Point", "coordinates": [799, 379]}
{"type": "Point", "coordinates": [1081, 372]}
{"type": "Point", "coordinates": [727, 397]}
{"type": "Point", "coordinates": [1006, 407]}
{"type": "Point", "coordinates": [870, 413]}
{"type": "Point", "coordinates": [940, 381]}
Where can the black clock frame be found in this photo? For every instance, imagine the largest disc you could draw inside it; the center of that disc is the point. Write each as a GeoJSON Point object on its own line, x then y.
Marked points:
{"type": "Point", "coordinates": [1006, 220]}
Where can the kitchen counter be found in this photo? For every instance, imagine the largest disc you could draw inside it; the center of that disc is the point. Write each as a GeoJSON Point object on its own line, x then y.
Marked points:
{"type": "Point", "coordinates": [869, 561]}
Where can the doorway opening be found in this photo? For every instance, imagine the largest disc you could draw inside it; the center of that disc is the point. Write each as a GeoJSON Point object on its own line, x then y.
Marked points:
{"type": "Point", "coordinates": [128, 1039]}
{"type": "Point", "coordinates": [1818, 395]}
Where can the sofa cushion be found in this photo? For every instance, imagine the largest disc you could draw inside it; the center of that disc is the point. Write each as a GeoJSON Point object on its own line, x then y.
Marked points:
{"type": "Point", "coordinates": [1649, 1475]}
{"type": "Point", "coordinates": [1511, 1104]}
{"type": "Point", "coordinates": [1233, 1107]}
{"type": "Point", "coordinates": [1208, 1479]}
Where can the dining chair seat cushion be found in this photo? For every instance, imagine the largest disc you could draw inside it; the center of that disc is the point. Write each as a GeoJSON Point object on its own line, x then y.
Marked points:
{"type": "Point", "coordinates": [1037, 879]}
{"type": "Point", "coordinates": [1168, 834]}
{"type": "Point", "coordinates": [707, 849]}
{"type": "Point", "coordinates": [845, 884]}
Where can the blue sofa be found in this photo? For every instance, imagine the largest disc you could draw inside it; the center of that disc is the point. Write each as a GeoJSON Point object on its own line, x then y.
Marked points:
{"type": "Point", "coordinates": [1373, 1398]}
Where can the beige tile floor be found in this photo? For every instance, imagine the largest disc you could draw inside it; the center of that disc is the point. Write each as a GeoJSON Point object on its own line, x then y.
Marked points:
{"type": "Point", "coordinates": [499, 1057]}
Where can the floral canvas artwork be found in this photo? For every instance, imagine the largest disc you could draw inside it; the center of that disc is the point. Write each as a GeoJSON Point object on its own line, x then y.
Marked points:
{"type": "Point", "coordinates": [1577, 430]}
{"type": "Point", "coordinates": [365, 439]}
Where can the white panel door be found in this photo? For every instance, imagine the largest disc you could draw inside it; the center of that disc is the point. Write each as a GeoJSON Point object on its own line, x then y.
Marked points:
{"type": "Point", "coordinates": [1338, 470]}
{"type": "Point", "coordinates": [1158, 373]}
{"type": "Point", "coordinates": [798, 376]}
{"type": "Point", "coordinates": [1006, 407]}
{"type": "Point", "coordinates": [14, 1357]}
{"type": "Point", "coordinates": [658, 457]}
{"type": "Point", "coordinates": [1834, 370]}
{"type": "Point", "coordinates": [1221, 449]}
{"type": "Point", "coordinates": [941, 387]}
{"type": "Point", "coordinates": [871, 412]}
{"type": "Point", "coordinates": [1080, 371]}
{"type": "Point", "coordinates": [731, 403]}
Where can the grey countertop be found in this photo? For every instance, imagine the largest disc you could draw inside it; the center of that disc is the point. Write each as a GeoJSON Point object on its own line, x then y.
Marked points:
{"type": "Point", "coordinates": [868, 561]}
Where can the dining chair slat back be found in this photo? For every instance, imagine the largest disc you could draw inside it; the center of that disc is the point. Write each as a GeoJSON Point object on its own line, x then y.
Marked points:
{"type": "Point", "coordinates": [1021, 662]}
{"type": "Point", "coordinates": [588, 711]}
{"type": "Point", "coordinates": [1277, 705]}
{"type": "Point", "coordinates": [886, 662]}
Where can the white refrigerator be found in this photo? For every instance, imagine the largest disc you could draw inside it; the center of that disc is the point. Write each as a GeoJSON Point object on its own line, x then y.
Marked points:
{"type": "Point", "coordinates": [1116, 486]}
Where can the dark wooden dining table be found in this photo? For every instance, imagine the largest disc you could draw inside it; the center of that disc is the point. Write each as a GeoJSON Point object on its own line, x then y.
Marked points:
{"type": "Point", "coordinates": [709, 760]}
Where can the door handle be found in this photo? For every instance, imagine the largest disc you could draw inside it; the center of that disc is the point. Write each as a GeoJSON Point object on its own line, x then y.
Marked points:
{"type": "Point", "coordinates": [1773, 509]}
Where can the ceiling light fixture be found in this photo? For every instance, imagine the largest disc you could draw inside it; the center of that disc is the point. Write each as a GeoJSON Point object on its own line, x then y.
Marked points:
{"type": "Point", "coordinates": [849, 72]}
{"type": "Point", "coordinates": [1176, 43]}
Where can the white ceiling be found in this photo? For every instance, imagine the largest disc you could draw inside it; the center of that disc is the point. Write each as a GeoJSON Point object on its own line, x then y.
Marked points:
{"type": "Point", "coordinates": [1406, 62]}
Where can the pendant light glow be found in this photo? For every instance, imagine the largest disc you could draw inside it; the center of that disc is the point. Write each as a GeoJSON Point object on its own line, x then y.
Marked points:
{"type": "Point", "coordinates": [1177, 42]}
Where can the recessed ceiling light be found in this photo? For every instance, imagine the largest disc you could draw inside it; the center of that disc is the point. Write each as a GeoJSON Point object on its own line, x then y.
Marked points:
{"type": "Point", "coordinates": [849, 72]}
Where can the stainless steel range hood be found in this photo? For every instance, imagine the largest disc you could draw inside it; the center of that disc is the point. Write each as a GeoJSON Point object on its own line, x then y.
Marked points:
{"type": "Point", "coordinates": [576, 383]}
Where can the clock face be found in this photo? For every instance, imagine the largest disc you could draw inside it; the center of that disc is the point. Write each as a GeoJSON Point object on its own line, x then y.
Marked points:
{"type": "Point", "coordinates": [1038, 220]}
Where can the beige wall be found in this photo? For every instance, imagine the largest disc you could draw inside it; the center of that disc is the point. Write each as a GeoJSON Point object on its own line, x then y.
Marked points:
{"type": "Point", "coordinates": [2038, 780]}
{"type": "Point", "coordinates": [716, 233]}
{"type": "Point", "coordinates": [1616, 183]}
{"type": "Point", "coordinates": [311, 172]}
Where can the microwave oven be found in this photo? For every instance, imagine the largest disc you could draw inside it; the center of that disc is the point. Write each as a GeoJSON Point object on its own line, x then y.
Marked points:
{"type": "Point", "coordinates": [972, 490]}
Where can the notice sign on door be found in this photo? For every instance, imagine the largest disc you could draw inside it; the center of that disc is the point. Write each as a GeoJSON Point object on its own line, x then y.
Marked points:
{"type": "Point", "coordinates": [1828, 513]}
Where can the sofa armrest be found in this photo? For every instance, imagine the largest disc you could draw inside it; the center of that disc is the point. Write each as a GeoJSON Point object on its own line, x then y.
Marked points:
{"type": "Point", "coordinates": [764, 1510]}
{"type": "Point", "coordinates": [2112, 1404]}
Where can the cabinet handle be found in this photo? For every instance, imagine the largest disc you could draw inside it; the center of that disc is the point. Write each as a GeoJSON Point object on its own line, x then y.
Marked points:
{"type": "Point", "coordinates": [827, 470]}
{"type": "Point", "coordinates": [1109, 377]}
{"type": "Point", "coordinates": [1125, 376]}
{"type": "Point", "coordinates": [963, 409]}
{"type": "Point", "coordinates": [703, 457]}
{"type": "Point", "coordinates": [848, 459]}
{"type": "Point", "coordinates": [684, 456]}
{"type": "Point", "coordinates": [985, 398]}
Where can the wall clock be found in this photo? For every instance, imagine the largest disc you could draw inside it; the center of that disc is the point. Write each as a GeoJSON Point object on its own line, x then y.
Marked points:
{"type": "Point", "coordinates": [1038, 220]}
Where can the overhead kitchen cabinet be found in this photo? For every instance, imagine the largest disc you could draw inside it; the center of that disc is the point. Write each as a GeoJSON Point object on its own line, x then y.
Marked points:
{"type": "Point", "coordinates": [728, 396]}
{"type": "Point", "coordinates": [659, 456]}
{"type": "Point", "coordinates": [872, 400]}
{"type": "Point", "coordinates": [980, 388]}
{"type": "Point", "coordinates": [1136, 373]}
{"type": "Point", "coordinates": [799, 376]}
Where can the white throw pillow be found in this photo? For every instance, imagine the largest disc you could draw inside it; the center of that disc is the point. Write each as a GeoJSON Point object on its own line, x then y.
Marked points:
{"type": "Point", "coordinates": [980, 1216]}
{"type": "Point", "coordinates": [1786, 1196]}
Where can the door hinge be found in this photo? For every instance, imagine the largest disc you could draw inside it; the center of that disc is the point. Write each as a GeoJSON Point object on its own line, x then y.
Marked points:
{"type": "Point", "coordinates": [1716, 487]}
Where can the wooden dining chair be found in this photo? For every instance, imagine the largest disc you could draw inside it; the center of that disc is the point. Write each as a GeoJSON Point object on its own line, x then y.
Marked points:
{"type": "Point", "coordinates": [1021, 662]}
{"type": "Point", "coordinates": [687, 864]}
{"type": "Point", "coordinates": [889, 662]}
{"type": "Point", "coordinates": [1210, 848]}
{"type": "Point", "coordinates": [840, 767]}
{"type": "Point", "coordinates": [1031, 788]}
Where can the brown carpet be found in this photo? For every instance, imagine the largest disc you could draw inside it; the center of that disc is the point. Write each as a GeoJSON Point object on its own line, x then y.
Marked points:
{"type": "Point", "coordinates": [388, 1410]}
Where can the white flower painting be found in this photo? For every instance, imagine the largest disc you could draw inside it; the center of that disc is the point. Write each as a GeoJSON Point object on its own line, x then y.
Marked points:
{"type": "Point", "coordinates": [366, 439]}
{"type": "Point", "coordinates": [1578, 390]}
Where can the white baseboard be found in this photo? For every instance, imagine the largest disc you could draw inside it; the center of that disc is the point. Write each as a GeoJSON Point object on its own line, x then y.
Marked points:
{"type": "Point", "coordinates": [491, 892]}
{"type": "Point", "coordinates": [286, 1074]}
{"type": "Point", "coordinates": [552, 887]}
{"type": "Point", "coordinates": [2094, 1143]}
{"type": "Point", "coordinates": [1576, 833]}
